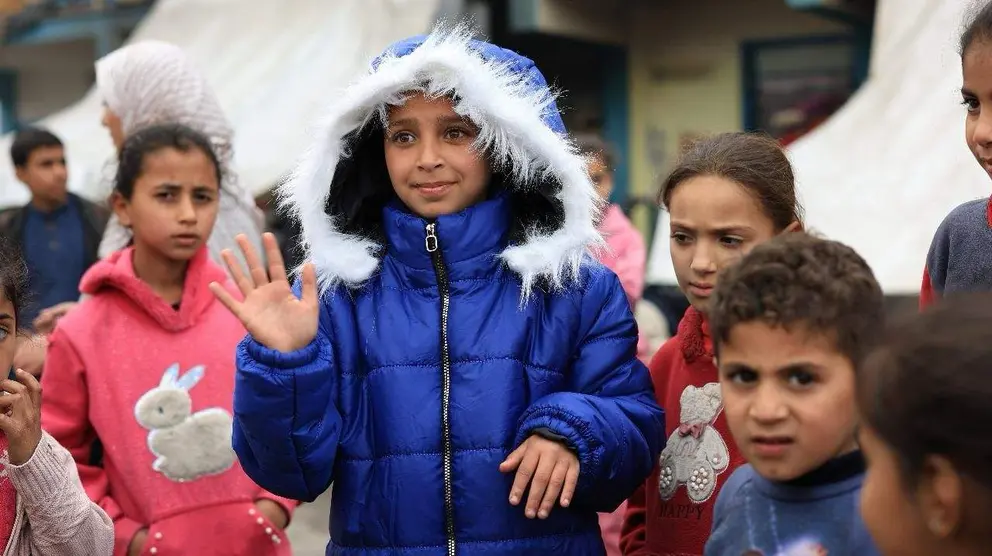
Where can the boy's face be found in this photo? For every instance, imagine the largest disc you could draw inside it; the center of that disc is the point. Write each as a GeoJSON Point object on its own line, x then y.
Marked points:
{"type": "Point", "coordinates": [601, 177]}
{"type": "Point", "coordinates": [789, 398]}
{"type": "Point", "coordinates": [46, 176]}
{"type": "Point", "coordinates": [430, 157]}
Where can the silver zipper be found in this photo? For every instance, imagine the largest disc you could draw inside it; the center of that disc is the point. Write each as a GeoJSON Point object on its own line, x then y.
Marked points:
{"type": "Point", "coordinates": [433, 247]}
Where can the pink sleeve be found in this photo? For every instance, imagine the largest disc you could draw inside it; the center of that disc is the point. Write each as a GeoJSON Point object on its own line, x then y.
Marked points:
{"type": "Point", "coordinates": [631, 263]}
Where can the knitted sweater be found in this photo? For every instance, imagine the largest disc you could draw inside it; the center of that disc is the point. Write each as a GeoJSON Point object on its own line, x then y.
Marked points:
{"type": "Point", "coordinates": [960, 256]}
{"type": "Point", "coordinates": [52, 515]}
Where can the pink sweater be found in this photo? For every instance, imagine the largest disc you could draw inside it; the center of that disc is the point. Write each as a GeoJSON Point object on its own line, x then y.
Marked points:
{"type": "Point", "coordinates": [155, 386]}
{"type": "Point", "coordinates": [627, 258]}
{"type": "Point", "coordinates": [52, 515]}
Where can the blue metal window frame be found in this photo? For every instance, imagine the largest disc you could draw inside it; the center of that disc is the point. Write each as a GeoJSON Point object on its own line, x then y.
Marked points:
{"type": "Point", "coordinates": [750, 50]}
{"type": "Point", "coordinates": [8, 100]}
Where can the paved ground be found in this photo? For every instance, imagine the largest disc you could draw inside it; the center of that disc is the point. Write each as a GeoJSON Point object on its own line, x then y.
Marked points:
{"type": "Point", "coordinates": [308, 531]}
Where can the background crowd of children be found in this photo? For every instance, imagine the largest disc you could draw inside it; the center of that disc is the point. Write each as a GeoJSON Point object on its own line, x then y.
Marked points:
{"type": "Point", "coordinates": [450, 359]}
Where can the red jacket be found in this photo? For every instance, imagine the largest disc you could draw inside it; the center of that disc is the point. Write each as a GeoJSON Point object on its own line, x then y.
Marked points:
{"type": "Point", "coordinates": [671, 514]}
{"type": "Point", "coordinates": [155, 385]}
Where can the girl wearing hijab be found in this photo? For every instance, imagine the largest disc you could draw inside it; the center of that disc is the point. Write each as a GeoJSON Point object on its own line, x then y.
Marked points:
{"type": "Point", "coordinates": [150, 83]}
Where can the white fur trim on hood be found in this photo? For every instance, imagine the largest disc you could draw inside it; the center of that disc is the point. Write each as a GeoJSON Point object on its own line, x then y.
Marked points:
{"type": "Point", "coordinates": [510, 113]}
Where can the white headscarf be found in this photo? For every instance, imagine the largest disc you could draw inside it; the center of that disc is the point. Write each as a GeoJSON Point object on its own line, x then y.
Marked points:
{"type": "Point", "coordinates": [151, 82]}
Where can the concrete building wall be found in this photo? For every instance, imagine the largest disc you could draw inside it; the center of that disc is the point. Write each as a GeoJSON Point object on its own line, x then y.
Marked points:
{"type": "Point", "coordinates": [685, 78]}
{"type": "Point", "coordinates": [49, 76]}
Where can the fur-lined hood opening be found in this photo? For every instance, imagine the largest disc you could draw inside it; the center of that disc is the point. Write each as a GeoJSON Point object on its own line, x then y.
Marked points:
{"type": "Point", "coordinates": [339, 188]}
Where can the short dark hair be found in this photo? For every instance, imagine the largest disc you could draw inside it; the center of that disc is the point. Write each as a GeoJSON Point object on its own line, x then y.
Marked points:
{"type": "Point", "coordinates": [28, 140]}
{"type": "Point", "coordinates": [13, 276]}
{"type": "Point", "coordinates": [592, 144]}
{"type": "Point", "coordinates": [754, 160]}
{"type": "Point", "coordinates": [131, 160]}
{"type": "Point", "coordinates": [798, 279]}
{"type": "Point", "coordinates": [977, 28]}
{"type": "Point", "coordinates": [925, 389]}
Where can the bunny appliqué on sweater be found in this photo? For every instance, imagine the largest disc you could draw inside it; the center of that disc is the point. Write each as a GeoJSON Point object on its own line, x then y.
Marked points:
{"type": "Point", "coordinates": [187, 445]}
{"type": "Point", "coordinates": [696, 452]}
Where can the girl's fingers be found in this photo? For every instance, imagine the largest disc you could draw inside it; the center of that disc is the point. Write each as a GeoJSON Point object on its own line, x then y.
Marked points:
{"type": "Point", "coordinates": [513, 460]}
{"type": "Point", "coordinates": [32, 386]}
{"type": "Point", "coordinates": [571, 479]}
{"type": "Point", "coordinates": [524, 473]}
{"type": "Point", "coordinates": [255, 268]}
{"type": "Point", "coordinates": [309, 285]}
{"type": "Point", "coordinates": [539, 485]}
{"type": "Point", "coordinates": [244, 283]}
{"type": "Point", "coordinates": [554, 487]}
{"type": "Point", "coordinates": [222, 295]}
{"type": "Point", "coordinates": [13, 387]}
{"type": "Point", "coordinates": [277, 267]}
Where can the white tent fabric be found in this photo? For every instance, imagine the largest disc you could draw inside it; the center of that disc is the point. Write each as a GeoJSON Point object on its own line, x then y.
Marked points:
{"type": "Point", "coordinates": [882, 173]}
{"type": "Point", "coordinates": [275, 66]}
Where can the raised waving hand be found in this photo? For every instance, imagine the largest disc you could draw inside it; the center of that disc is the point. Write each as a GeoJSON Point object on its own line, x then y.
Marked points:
{"type": "Point", "coordinates": [271, 313]}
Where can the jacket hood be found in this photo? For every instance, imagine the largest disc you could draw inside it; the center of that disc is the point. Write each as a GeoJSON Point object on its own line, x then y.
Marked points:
{"type": "Point", "coordinates": [341, 184]}
{"type": "Point", "coordinates": [117, 272]}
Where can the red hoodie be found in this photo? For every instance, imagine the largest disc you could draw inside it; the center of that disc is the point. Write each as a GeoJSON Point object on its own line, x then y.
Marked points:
{"type": "Point", "coordinates": [671, 514]}
{"type": "Point", "coordinates": [155, 385]}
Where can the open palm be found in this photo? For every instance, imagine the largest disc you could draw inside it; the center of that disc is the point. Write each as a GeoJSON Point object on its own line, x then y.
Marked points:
{"type": "Point", "coordinates": [271, 312]}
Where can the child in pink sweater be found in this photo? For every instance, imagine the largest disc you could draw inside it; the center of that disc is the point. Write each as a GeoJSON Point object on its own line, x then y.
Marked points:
{"type": "Point", "coordinates": [43, 507]}
{"type": "Point", "coordinates": [626, 256]}
{"type": "Point", "coordinates": [144, 367]}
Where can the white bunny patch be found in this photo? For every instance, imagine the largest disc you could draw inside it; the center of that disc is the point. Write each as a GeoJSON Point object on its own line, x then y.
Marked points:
{"type": "Point", "coordinates": [187, 445]}
{"type": "Point", "coordinates": [695, 453]}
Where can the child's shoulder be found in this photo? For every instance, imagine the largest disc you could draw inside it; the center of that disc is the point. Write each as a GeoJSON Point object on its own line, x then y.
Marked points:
{"type": "Point", "coordinates": [975, 214]}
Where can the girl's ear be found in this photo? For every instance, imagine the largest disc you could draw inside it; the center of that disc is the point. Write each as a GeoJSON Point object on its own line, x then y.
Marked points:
{"type": "Point", "coordinates": [120, 206]}
{"type": "Point", "coordinates": [941, 497]}
{"type": "Point", "coordinates": [796, 226]}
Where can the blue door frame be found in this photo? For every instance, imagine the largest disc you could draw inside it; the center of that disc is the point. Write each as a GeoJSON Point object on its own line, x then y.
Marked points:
{"type": "Point", "coordinates": [8, 100]}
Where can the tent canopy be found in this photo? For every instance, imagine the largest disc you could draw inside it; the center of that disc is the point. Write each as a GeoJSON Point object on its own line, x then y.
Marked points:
{"type": "Point", "coordinates": [274, 65]}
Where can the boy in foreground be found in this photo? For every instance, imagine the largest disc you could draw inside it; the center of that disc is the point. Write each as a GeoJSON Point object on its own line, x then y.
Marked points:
{"type": "Point", "coordinates": [790, 324]}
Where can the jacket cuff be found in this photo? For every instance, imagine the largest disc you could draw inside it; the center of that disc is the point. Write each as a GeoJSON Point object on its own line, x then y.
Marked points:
{"type": "Point", "coordinates": [574, 430]}
{"type": "Point", "coordinates": [42, 476]}
{"type": "Point", "coordinates": [282, 360]}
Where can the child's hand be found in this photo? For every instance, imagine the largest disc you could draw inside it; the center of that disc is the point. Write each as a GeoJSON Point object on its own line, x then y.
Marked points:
{"type": "Point", "coordinates": [20, 416]}
{"type": "Point", "coordinates": [271, 312]}
{"type": "Point", "coordinates": [273, 512]}
{"type": "Point", "coordinates": [553, 467]}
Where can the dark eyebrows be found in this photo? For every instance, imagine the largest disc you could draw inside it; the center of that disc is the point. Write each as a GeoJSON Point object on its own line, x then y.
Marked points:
{"type": "Point", "coordinates": [730, 368]}
{"type": "Point", "coordinates": [6, 316]}
{"type": "Point", "coordinates": [412, 122]}
{"type": "Point", "coordinates": [965, 92]}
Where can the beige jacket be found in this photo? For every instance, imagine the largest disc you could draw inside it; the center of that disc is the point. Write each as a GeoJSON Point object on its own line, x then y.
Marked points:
{"type": "Point", "coordinates": [54, 515]}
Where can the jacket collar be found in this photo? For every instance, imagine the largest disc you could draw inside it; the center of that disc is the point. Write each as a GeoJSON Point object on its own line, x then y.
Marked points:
{"type": "Point", "coordinates": [469, 241]}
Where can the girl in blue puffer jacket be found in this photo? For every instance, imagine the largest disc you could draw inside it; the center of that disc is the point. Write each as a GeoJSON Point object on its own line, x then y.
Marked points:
{"type": "Point", "coordinates": [451, 358]}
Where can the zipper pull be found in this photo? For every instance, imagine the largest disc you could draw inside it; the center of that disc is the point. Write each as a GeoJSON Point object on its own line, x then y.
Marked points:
{"type": "Point", "coordinates": [431, 241]}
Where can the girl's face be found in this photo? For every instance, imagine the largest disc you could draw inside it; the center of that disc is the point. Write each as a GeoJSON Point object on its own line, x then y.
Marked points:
{"type": "Point", "coordinates": [174, 203]}
{"type": "Point", "coordinates": [8, 335]}
{"type": "Point", "coordinates": [113, 124]}
{"type": "Point", "coordinates": [714, 222]}
{"type": "Point", "coordinates": [891, 515]}
{"type": "Point", "coordinates": [430, 157]}
{"type": "Point", "coordinates": [976, 92]}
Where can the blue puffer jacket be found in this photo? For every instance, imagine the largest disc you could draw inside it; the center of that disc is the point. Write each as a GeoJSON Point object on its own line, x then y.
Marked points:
{"type": "Point", "coordinates": [444, 344]}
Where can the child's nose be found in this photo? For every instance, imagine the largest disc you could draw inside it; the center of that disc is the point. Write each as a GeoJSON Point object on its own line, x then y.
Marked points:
{"type": "Point", "coordinates": [430, 155]}
{"type": "Point", "coordinates": [768, 406]}
{"type": "Point", "coordinates": [982, 135]}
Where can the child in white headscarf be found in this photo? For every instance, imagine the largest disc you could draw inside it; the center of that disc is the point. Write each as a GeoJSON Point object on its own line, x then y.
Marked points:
{"type": "Point", "coordinates": [151, 82]}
